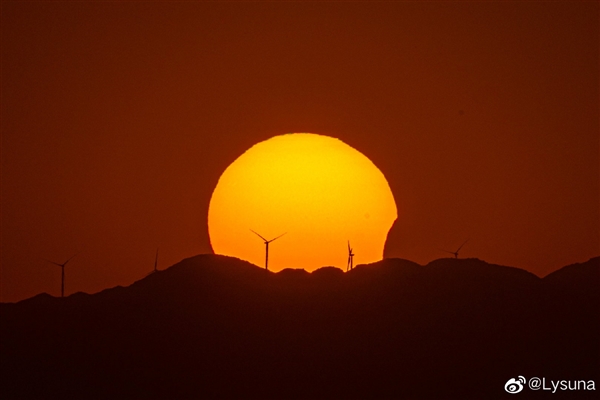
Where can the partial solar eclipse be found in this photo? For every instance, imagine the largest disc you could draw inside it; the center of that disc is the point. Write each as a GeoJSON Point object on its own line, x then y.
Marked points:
{"type": "Point", "coordinates": [317, 189]}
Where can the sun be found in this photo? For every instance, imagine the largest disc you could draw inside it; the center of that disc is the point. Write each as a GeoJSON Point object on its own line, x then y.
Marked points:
{"type": "Point", "coordinates": [316, 190]}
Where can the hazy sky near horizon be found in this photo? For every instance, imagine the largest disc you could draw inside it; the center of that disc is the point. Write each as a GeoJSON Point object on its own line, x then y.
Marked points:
{"type": "Point", "coordinates": [117, 120]}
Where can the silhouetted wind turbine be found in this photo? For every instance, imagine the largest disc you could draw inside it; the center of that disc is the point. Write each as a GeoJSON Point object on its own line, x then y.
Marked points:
{"type": "Point", "coordinates": [267, 247]}
{"type": "Point", "coordinates": [457, 250]}
{"type": "Point", "coordinates": [155, 264]}
{"type": "Point", "coordinates": [350, 258]}
{"type": "Point", "coordinates": [62, 278]}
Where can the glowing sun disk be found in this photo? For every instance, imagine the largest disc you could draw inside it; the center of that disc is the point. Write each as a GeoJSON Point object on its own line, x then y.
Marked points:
{"type": "Point", "coordinates": [317, 188]}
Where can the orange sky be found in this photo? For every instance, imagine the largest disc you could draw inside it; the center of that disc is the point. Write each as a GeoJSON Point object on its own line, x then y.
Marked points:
{"type": "Point", "coordinates": [118, 118]}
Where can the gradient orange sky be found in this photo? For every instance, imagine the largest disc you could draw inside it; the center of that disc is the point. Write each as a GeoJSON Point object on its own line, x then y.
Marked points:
{"type": "Point", "coordinates": [117, 120]}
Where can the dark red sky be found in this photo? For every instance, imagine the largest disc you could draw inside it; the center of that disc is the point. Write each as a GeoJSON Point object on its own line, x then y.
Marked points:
{"type": "Point", "coordinates": [118, 118]}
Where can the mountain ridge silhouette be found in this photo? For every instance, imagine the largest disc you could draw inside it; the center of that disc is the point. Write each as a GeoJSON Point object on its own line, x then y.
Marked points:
{"type": "Point", "coordinates": [218, 327]}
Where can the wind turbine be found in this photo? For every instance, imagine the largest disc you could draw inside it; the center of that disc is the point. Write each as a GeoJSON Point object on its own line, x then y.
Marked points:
{"type": "Point", "coordinates": [155, 264]}
{"type": "Point", "coordinates": [350, 258]}
{"type": "Point", "coordinates": [457, 250]}
{"type": "Point", "coordinates": [62, 278]}
{"type": "Point", "coordinates": [267, 247]}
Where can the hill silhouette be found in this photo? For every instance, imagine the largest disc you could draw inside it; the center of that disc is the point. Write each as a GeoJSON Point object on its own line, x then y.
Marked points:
{"type": "Point", "coordinates": [218, 327]}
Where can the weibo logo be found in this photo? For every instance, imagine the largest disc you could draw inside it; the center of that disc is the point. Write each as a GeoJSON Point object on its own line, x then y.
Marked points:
{"type": "Point", "coordinates": [514, 386]}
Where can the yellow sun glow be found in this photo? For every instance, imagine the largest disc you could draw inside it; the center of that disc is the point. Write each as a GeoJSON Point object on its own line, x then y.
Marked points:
{"type": "Point", "coordinates": [319, 190]}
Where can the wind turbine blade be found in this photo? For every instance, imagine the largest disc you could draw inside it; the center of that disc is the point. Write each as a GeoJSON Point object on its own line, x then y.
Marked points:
{"type": "Point", "coordinates": [259, 236]}
{"type": "Point", "coordinates": [349, 248]}
{"type": "Point", "coordinates": [277, 237]}
{"type": "Point", "coordinates": [52, 262]}
{"type": "Point", "coordinates": [69, 259]}
{"type": "Point", "coordinates": [451, 252]}
{"type": "Point", "coordinates": [462, 245]}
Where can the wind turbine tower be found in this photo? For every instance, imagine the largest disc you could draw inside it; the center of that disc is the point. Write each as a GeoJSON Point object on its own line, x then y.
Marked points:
{"type": "Point", "coordinates": [155, 270]}
{"type": "Point", "coordinates": [62, 278]}
{"type": "Point", "coordinates": [267, 247]}
{"type": "Point", "coordinates": [156, 262]}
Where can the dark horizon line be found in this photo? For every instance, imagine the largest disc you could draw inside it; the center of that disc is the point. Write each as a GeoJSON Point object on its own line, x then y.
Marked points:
{"type": "Point", "coordinates": [452, 259]}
